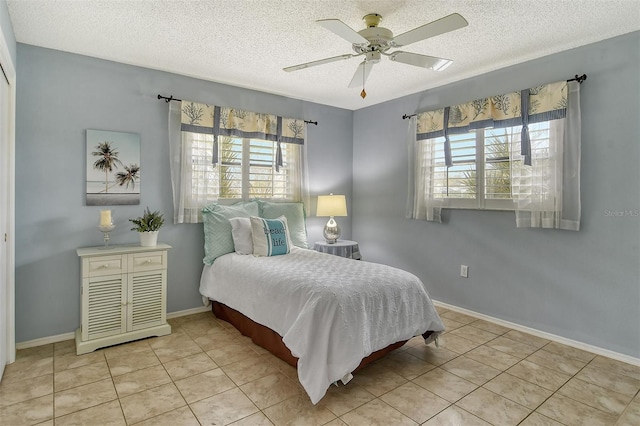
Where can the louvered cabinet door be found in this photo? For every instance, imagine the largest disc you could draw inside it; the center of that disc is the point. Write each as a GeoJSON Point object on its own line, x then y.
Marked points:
{"type": "Point", "coordinates": [103, 306]}
{"type": "Point", "coordinates": [147, 299]}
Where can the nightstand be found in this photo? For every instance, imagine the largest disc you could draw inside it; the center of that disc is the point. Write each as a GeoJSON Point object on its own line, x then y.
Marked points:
{"type": "Point", "coordinates": [344, 248]}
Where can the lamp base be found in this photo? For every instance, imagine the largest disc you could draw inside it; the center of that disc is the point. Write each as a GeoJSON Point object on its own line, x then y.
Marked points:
{"type": "Point", "coordinates": [331, 231]}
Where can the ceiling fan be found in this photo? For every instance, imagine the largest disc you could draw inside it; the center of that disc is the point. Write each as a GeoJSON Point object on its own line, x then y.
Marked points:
{"type": "Point", "coordinates": [373, 42]}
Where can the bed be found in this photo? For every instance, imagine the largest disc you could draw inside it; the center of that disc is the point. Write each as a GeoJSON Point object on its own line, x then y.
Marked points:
{"type": "Point", "coordinates": [324, 314]}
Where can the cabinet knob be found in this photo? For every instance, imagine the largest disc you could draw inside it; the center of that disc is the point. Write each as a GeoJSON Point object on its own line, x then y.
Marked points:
{"type": "Point", "coordinates": [148, 261]}
{"type": "Point", "coordinates": [105, 266]}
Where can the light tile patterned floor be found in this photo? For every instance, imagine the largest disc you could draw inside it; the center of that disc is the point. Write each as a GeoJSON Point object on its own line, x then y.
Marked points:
{"type": "Point", "coordinates": [206, 373]}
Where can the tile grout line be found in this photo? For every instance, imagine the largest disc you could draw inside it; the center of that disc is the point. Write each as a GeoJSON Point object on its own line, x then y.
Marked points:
{"type": "Point", "coordinates": [581, 402]}
{"type": "Point", "coordinates": [575, 400]}
{"type": "Point", "coordinates": [174, 383]}
{"type": "Point", "coordinates": [505, 370]}
{"type": "Point", "coordinates": [115, 389]}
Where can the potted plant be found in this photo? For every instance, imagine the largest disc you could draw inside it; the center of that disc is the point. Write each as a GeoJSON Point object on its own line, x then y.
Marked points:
{"type": "Point", "coordinates": [147, 226]}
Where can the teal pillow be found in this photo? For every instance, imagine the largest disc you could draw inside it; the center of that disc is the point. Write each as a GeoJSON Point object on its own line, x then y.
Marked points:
{"type": "Point", "coordinates": [270, 236]}
{"type": "Point", "coordinates": [296, 219]}
{"type": "Point", "coordinates": [218, 239]}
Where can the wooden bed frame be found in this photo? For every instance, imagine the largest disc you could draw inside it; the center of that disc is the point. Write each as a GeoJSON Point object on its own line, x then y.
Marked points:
{"type": "Point", "coordinates": [271, 341]}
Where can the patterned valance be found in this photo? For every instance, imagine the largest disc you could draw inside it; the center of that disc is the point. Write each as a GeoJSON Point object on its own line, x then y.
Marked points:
{"type": "Point", "coordinates": [224, 121]}
{"type": "Point", "coordinates": [545, 102]}
{"type": "Point", "coordinates": [541, 103]}
{"type": "Point", "coordinates": [211, 119]}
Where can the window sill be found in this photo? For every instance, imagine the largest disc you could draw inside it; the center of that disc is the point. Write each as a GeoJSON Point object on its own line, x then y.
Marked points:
{"type": "Point", "coordinates": [494, 205]}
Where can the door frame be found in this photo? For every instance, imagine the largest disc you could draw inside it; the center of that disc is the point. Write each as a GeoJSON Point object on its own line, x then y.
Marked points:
{"type": "Point", "coordinates": [10, 71]}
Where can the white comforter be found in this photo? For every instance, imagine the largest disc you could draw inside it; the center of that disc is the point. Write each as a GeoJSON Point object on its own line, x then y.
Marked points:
{"type": "Point", "coordinates": [331, 312]}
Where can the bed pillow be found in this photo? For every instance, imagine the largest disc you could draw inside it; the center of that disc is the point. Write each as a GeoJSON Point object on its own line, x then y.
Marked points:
{"type": "Point", "coordinates": [218, 239]}
{"type": "Point", "coordinates": [270, 236]}
{"type": "Point", "coordinates": [296, 218]}
{"type": "Point", "coordinates": [241, 234]}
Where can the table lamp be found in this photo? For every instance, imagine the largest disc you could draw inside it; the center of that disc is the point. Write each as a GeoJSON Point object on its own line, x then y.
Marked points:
{"type": "Point", "coordinates": [331, 205]}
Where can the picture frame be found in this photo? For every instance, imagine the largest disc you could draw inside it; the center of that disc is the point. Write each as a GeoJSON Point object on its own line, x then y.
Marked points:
{"type": "Point", "coordinates": [113, 168]}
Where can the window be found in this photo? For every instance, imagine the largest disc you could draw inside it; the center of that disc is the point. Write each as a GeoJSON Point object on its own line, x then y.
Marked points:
{"type": "Point", "coordinates": [533, 171]}
{"type": "Point", "coordinates": [485, 163]}
{"type": "Point", "coordinates": [247, 162]}
{"type": "Point", "coordinates": [245, 170]}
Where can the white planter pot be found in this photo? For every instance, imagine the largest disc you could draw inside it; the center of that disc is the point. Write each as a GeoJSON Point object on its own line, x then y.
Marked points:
{"type": "Point", "coordinates": [148, 239]}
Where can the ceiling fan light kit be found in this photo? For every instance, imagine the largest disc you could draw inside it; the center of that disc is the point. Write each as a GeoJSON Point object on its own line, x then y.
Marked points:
{"type": "Point", "coordinates": [375, 41]}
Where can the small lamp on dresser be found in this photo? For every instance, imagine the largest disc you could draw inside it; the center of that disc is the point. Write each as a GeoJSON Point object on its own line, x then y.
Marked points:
{"type": "Point", "coordinates": [331, 205]}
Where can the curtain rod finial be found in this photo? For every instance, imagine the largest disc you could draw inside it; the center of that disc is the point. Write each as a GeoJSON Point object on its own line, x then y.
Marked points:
{"type": "Point", "coordinates": [579, 78]}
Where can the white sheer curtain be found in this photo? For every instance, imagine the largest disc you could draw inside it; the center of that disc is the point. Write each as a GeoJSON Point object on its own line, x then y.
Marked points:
{"type": "Point", "coordinates": [547, 193]}
{"type": "Point", "coordinates": [420, 201]}
{"type": "Point", "coordinates": [300, 173]}
{"type": "Point", "coordinates": [185, 148]}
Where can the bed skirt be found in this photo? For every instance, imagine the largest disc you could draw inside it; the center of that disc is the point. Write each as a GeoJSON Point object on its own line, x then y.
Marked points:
{"type": "Point", "coordinates": [272, 341]}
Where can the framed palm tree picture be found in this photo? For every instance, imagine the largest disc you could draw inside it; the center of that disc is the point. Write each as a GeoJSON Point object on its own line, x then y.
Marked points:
{"type": "Point", "coordinates": [113, 168]}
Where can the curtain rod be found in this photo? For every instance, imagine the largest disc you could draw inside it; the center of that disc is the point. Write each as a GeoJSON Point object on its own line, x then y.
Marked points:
{"type": "Point", "coordinates": [578, 78]}
{"type": "Point", "coordinates": [171, 98]}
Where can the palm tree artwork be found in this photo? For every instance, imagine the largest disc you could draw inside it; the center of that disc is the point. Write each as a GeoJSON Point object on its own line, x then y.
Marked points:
{"type": "Point", "coordinates": [113, 171]}
{"type": "Point", "coordinates": [129, 176]}
{"type": "Point", "coordinates": [107, 160]}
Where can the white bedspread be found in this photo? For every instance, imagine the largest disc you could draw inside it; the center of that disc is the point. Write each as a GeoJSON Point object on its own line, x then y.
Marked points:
{"type": "Point", "coordinates": [331, 312]}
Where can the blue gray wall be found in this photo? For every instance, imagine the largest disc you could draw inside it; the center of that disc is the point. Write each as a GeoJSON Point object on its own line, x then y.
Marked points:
{"type": "Point", "coordinates": [580, 285]}
{"type": "Point", "coordinates": [7, 30]}
{"type": "Point", "coordinates": [59, 96]}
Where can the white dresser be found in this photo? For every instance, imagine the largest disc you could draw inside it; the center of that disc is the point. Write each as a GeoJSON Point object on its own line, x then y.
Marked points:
{"type": "Point", "coordinates": [123, 295]}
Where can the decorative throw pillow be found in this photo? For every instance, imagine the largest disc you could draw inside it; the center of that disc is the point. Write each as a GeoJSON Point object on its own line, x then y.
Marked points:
{"type": "Point", "coordinates": [217, 228]}
{"type": "Point", "coordinates": [296, 219]}
{"type": "Point", "coordinates": [270, 236]}
{"type": "Point", "coordinates": [241, 233]}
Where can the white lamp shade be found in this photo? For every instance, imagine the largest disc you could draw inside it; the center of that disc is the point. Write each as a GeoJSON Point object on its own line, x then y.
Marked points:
{"type": "Point", "coordinates": [331, 205]}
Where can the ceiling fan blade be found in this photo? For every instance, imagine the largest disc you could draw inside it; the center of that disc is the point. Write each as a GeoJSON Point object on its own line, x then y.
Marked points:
{"type": "Point", "coordinates": [430, 62]}
{"type": "Point", "coordinates": [318, 62]}
{"type": "Point", "coordinates": [341, 29]}
{"type": "Point", "coordinates": [361, 74]}
{"type": "Point", "coordinates": [443, 25]}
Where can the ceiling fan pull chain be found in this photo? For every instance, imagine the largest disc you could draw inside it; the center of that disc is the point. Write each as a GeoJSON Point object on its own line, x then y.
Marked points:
{"type": "Point", "coordinates": [363, 94]}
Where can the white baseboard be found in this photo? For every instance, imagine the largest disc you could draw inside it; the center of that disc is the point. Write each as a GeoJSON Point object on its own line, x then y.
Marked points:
{"type": "Point", "coordinates": [189, 312]}
{"type": "Point", "coordinates": [45, 341]}
{"type": "Point", "coordinates": [70, 336]}
{"type": "Point", "coordinates": [559, 339]}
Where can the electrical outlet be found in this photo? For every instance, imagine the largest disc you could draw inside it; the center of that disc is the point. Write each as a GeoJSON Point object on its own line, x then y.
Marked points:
{"type": "Point", "coordinates": [464, 271]}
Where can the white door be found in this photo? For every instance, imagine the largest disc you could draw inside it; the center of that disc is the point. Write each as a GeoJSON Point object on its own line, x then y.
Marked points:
{"type": "Point", "coordinates": [4, 217]}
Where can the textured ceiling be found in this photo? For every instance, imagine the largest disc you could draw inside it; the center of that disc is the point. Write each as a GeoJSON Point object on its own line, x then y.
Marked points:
{"type": "Point", "coordinates": [246, 43]}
